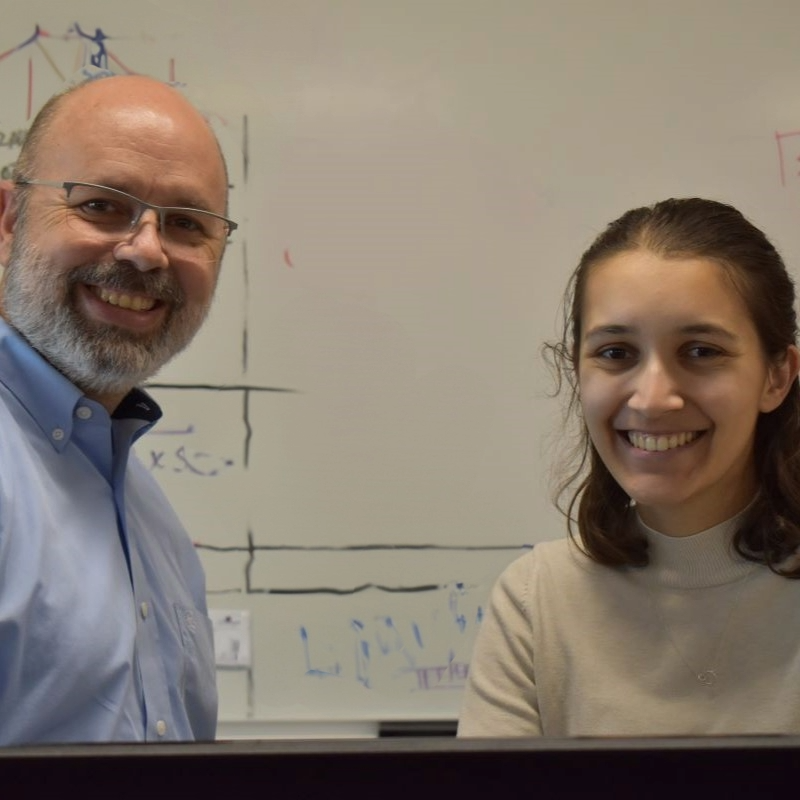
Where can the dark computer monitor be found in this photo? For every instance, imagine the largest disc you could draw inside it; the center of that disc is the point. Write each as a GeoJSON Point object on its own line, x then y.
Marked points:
{"type": "Point", "coordinates": [754, 767]}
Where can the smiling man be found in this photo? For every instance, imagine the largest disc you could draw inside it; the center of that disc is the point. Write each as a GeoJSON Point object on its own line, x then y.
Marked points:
{"type": "Point", "coordinates": [111, 235]}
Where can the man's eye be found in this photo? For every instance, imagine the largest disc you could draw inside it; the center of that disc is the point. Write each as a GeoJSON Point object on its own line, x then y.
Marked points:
{"type": "Point", "coordinates": [185, 223]}
{"type": "Point", "coordinates": [100, 207]}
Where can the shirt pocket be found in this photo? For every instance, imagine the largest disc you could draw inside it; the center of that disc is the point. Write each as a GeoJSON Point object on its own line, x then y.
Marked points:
{"type": "Point", "coordinates": [198, 685]}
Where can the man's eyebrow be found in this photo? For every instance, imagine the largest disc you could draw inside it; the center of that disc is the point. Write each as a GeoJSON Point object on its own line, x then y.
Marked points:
{"type": "Point", "coordinates": [184, 201]}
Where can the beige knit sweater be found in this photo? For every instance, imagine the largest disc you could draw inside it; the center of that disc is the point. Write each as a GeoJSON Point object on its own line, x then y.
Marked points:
{"type": "Point", "coordinates": [572, 648]}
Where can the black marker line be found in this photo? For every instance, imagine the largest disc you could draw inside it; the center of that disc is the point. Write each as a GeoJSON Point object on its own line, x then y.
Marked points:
{"type": "Point", "coordinates": [219, 549]}
{"type": "Point", "coordinates": [252, 548]}
{"type": "Point", "coordinates": [431, 587]}
{"type": "Point", "coordinates": [246, 294]}
{"type": "Point", "coordinates": [219, 388]}
{"type": "Point", "coordinates": [245, 346]}
{"type": "Point", "coordinates": [247, 427]}
{"type": "Point", "coordinates": [245, 146]}
{"type": "Point", "coordinates": [249, 565]}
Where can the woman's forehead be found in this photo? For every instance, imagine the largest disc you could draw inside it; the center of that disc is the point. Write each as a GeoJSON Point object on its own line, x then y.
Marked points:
{"type": "Point", "coordinates": [641, 290]}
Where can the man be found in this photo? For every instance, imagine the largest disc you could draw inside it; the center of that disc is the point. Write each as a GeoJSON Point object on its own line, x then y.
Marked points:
{"type": "Point", "coordinates": [111, 236]}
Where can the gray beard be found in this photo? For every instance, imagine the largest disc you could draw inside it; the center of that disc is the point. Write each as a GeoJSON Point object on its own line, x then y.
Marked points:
{"type": "Point", "coordinates": [97, 358]}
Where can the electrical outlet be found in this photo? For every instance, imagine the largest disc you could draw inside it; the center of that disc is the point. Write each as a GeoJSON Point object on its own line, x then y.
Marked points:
{"type": "Point", "coordinates": [232, 645]}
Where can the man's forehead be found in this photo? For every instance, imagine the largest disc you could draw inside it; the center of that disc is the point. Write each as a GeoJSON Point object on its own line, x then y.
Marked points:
{"type": "Point", "coordinates": [135, 106]}
{"type": "Point", "coordinates": [120, 137]}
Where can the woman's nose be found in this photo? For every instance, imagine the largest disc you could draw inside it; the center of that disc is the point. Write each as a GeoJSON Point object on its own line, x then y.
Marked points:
{"type": "Point", "coordinates": [655, 390]}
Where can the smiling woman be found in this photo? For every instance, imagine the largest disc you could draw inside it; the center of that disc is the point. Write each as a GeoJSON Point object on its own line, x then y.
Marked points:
{"type": "Point", "coordinates": [666, 611]}
{"type": "Point", "coordinates": [673, 378]}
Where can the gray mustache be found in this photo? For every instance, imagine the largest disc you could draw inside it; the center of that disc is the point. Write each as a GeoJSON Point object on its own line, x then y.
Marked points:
{"type": "Point", "coordinates": [124, 277]}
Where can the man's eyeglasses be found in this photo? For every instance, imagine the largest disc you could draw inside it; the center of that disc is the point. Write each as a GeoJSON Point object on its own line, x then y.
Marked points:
{"type": "Point", "coordinates": [111, 212]}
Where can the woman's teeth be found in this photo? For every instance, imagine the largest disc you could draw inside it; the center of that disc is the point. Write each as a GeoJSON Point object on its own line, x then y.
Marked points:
{"type": "Point", "coordinates": [645, 441]}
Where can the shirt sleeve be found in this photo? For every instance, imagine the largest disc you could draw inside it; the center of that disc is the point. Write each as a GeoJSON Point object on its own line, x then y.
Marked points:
{"type": "Point", "coordinates": [500, 698]}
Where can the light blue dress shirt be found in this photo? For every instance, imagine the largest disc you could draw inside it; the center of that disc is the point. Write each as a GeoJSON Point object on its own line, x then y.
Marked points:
{"type": "Point", "coordinates": [104, 633]}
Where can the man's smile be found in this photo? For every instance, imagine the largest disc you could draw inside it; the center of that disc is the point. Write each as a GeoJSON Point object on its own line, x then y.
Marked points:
{"type": "Point", "coordinates": [135, 302]}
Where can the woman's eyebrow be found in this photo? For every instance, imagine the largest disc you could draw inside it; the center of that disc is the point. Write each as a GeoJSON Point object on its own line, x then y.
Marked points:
{"type": "Point", "coordinates": [708, 329]}
{"type": "Point", "coordinates": [609, 330]}
{"type": "Point", "coordinates": [694, 329]}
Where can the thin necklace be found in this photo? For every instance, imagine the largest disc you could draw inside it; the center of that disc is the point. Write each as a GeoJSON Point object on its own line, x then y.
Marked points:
{"type": "Point", "coordinates": [706, 677]}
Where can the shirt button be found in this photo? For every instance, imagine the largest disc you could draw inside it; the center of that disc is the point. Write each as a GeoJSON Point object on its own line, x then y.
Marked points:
{"type": "Point", "coordinates": [57, 434]}
{"type": "Point", "coordinates": [144, 610]}
{"type": "Point", "coordinates": [161, 727]}
{"type": "Point", "coordinates": [84, 412]}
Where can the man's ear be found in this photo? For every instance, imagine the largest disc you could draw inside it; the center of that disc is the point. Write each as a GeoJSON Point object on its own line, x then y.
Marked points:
{"type": "Point", "coordinates": [8, 219]}
{"type": "Point", "coordinates": [781, 377]}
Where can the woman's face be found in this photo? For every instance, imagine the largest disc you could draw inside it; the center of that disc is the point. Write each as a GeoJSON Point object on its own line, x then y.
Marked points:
{"type": "Point", "coordinates": [672, 378]}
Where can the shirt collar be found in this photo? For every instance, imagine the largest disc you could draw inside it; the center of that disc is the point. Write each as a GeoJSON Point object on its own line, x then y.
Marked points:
{"type": "Point", "coordinates": [703, 559]}
{"type": "Point", "coordinates": [49, 397]}
{"type": "Point", "coordinates": [138, 404]}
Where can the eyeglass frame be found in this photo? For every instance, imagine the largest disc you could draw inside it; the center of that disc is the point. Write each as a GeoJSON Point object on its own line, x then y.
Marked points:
{"type": "Point", "coordinates": [143, 205]}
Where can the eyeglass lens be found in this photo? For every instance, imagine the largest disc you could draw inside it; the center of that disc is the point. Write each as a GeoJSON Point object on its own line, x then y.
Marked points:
{"type": "Point", "coordinates": [114, 212]}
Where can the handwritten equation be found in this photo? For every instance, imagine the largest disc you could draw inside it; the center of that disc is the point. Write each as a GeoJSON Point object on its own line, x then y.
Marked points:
{"type": "Point", "coordinates": [381, 652]}
{"type": "Point", "coordinates": [185, 459]}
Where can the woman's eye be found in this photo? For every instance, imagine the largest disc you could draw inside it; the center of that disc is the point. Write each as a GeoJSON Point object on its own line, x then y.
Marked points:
{"type": "Point", "coordinates": [702, 351]}
{"type": "Point", "coordinates": [613, 353]}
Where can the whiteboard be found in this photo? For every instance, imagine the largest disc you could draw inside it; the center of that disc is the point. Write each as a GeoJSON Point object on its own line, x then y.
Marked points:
{"type": "Point", "coordinates": [361, 438]}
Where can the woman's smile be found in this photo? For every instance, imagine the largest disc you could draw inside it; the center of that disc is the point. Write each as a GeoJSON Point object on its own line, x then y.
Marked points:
{"type": "Point", "coordinates": [660, 442]}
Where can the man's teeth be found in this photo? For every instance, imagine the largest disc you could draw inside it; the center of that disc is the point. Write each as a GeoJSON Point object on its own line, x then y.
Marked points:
{"type": "Point", "coordinates": [125, 300]}
{"type": "Point", "coordinates": [644, 441]}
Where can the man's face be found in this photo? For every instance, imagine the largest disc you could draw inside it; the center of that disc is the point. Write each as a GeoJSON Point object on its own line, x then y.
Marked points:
{"type": "Point", "coordinates": [41, 298]}
{"type": "Point", "coordinates": [109, 311]}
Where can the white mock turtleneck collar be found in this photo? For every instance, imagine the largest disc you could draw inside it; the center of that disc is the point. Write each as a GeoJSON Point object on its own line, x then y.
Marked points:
{"type": "Point", "coordinates": [703, 559]}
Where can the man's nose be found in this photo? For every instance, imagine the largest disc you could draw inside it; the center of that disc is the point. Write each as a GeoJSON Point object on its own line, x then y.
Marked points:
{"type": "Point", "coordinates": [143, 246]}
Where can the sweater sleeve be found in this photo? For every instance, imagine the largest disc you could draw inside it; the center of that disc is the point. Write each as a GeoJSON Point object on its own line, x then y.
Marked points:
{"type": "Point", "coordinates": [500, 697]}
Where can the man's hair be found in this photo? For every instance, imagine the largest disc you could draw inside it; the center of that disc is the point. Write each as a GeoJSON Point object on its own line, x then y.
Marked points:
{"type": "Point", "coordinates": [769, 530]}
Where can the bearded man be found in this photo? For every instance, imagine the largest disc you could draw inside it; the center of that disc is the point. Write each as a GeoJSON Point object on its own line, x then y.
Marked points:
{"type": "Point", "coordinates": [111, 234]}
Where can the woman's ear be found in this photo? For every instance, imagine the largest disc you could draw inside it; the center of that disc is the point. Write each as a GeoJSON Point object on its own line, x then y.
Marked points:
{"type": "Point", "coordinates": [782, 375]}
{"type": "Point", "coordinates": [8, 218]}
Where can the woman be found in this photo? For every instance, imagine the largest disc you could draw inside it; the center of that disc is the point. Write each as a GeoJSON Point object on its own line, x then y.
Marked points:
{"type": "Point", "coordinates": [674, 610]}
